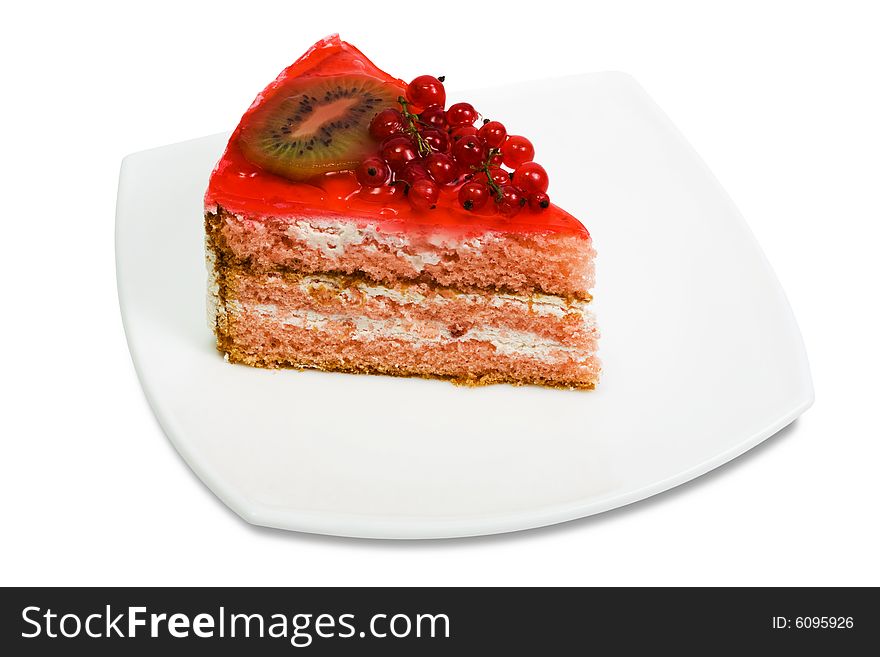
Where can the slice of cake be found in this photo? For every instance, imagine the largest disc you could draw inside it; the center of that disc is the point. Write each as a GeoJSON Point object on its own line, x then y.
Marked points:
{"type": "Point", "coordinates": [355, 223]}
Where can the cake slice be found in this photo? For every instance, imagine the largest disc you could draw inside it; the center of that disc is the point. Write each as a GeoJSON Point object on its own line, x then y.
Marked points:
{"type": "Point", "coordinates": [356, 224]}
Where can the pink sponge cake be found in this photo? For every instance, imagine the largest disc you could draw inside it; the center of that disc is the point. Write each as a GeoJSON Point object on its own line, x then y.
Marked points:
{"type": "Point", "coordinates": [357, 224]}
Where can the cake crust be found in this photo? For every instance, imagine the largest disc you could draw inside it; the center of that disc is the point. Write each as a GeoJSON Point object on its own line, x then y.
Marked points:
{"type": "Point", "coordinates": [468, 380]}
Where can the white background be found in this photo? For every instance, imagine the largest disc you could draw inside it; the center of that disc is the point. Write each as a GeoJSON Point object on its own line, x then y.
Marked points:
{"type": "Point", "coordinates": [780, 98]}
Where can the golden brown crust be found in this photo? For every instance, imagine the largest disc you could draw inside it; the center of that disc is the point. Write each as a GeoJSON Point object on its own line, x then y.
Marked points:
{"type": "Point", "coordinates": [239, 357]}
{"type": "Point", "coordinates": [220, 276]}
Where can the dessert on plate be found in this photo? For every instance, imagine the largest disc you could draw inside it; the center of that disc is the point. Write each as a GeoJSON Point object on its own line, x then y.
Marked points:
{"type": "Point", "coordinates": [357, 223]}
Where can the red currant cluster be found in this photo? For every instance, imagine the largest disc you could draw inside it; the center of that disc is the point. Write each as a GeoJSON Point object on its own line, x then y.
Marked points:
{"type": "Point", "coordinates": [429, 148]}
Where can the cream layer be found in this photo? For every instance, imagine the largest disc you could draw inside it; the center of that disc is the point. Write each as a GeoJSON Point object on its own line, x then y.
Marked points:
{"type": "Point", "coordinates": [506, 341]}
{"type": "Point", "coordinates": [540, 304]}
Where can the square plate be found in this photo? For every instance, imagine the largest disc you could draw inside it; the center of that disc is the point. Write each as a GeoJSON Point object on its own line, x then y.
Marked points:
{"type": "Point", "coordinates": [702, 356]}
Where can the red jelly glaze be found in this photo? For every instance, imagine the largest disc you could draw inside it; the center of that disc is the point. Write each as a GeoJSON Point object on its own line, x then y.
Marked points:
{"type": "Point", "coordinates": [245, 189]}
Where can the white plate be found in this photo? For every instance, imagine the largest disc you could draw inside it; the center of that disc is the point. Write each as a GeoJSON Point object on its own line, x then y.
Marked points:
{"type": "Point", "coordinates": [702, 356]}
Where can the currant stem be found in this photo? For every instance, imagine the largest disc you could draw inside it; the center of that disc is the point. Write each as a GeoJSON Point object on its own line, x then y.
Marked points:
{"type": "Point", "coordinates": [496, 190]}
{"type": "Point", "coordinates": [411, 119]}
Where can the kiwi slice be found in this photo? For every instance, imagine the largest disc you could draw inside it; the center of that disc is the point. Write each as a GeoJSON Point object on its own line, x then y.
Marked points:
{"type": "Point", "coordinates": [315, 125]}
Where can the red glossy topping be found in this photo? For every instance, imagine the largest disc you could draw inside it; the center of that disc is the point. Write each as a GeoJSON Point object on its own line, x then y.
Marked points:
{"type": "Point", "coordinates": [244, 188]}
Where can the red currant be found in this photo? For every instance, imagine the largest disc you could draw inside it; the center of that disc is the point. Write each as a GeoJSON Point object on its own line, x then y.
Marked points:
{"type": "Point", "coordinates": [468, 150]}
{"type": "Point", "coordinates": [462, 131]}
{"type": "Point", "coordinates": [438, 140]}
{"type": "Point", "coordinates": [473, 195]}
{"type": "Point", "coordinates": [531, 178]}
{"type": "Point", "coordinates": [423, 194]}
{"type": "Point", "coordinates": [424, 91]}
{"type": "Point", "coordinates": [493, 133]}
{"type": "Point", "coordinates": [372, 172]}
{"type": "Point", "coordinates": [517, 150]}
{"type": "Point", "coordinates": [511, 201]}
{"type": "Point", "coordinates": [499, 176]}
{"type": "Point", "coordinates": [434, 116]}
{"type": "Point", "coordinates": [397, 151]}
{"type": "Point", "coordinates": [461, 114]}
{"type": "Point", "coordinates": [386, 123]}
{"type": "Point", "coordinates": [442, 168]}
{"type": "Point", "coordinates": [539, 202]}
{"type": "Point", "coordinates": [412, 171]}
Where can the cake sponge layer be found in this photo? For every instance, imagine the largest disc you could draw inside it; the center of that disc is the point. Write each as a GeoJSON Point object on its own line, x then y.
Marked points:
{"type": "Point", "coordinates": [544, 316]}
{"type": "Point", "coordinates": [550, 263]}
{"type": "Point", "coordinates": [351, 324]}
{"type": "Point", "coordinates": [263, 337]}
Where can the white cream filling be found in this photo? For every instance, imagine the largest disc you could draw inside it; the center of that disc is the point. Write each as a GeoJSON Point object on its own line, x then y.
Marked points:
{"type": "Point", "coordinates": [332, 238]}
{"type": "Point", "coordinates": [539, 304]}
{"type": "Point", "coordinates": [506, 342]}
